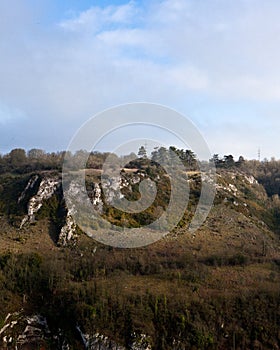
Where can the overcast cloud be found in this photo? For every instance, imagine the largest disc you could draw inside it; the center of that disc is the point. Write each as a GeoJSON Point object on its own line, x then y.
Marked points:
{"type": "Point", "coordinates": [216, 61]}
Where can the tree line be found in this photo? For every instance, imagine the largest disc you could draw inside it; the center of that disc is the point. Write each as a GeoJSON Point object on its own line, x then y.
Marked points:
{"type": "Point", "coordinates": [21, 161]}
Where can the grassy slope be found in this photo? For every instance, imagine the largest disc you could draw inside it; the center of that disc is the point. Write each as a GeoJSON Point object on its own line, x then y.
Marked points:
{"type": "Point", "coordinates": [219, 289]}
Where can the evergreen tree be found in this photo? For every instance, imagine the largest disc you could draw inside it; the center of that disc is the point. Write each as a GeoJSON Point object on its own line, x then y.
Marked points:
{"type": "Point", "coordinates": [142, 153]}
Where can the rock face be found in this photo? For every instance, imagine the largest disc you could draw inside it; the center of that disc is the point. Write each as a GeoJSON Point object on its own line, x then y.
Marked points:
{"type": "Point", "coordinates": [97, 198]}
{"type": "Point", "coordinates": [101, 342]}
{"type": "Point", "coordinates": [47, 188]}
{"type": "Point", "coordinates": [113, 186]}
{"type": "Point", "coordinates": [68, 231]}
{"type": "Point", "coordinates": [231, 187]}
{"type": "Point", "coordinates": [32, 332]}
{"type": "Point", "coordinates": [26, 332]}
{"type": "Point", "coordinates": [31, 183]}
{"type": "Point", "coordinates": [236, 185]}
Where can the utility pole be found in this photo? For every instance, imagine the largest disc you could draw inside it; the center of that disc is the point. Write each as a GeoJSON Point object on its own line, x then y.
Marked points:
{"type": "Point", "coordinates": [259, 154]}
{"type": "Point", "coordinates": [146, 145]}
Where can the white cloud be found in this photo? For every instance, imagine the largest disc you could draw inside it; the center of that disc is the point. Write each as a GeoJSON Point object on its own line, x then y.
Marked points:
{"type": "Point", "coordinates": [251, 87]}
{"type": "Point", "coordinates": [173, 52]}
{"type": "Point", "coordinates": [95, 18]}
{"type": "Point", "coordinates": [188, 77]}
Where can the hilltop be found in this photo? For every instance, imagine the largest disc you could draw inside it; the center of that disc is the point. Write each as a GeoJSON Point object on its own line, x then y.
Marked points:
{"type": "Point", "coordinates": [215, 288]}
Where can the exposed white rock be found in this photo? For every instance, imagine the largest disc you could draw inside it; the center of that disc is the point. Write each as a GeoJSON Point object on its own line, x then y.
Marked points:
{"type": "Point", "coordinates": [46, 189]}
{"type": "Point", "coordinates": [233, 189]}
{"type": "Point", "coordinates": [76, 193]}
{"type": "Point", "coordinates": [101, 342]}
{"type": "Point", "coordinates": [68, 231]}
{"type": "Point", "coordinates": [97, 197]}
{"type": "Point", "coordinates": [142, 342]}
{"type": "Point", "coordinates": [23, 330]}
{"type": "Point", "coordinates": [229, 188]}
{"type": "Point", "coordinates": [13, 323]}
{"type": "Point", "coordinates": [137, 178]}
{"type": "Point", "coordinates": [221, 187]}
{"type": "Point", "coordinates": [208, 178]}
{"type": "Point", "coordinates": [251, 179]}
{"type": "Point", "coordinates": [31, 183]}
{"type": "Point", "coordinates": [65, 346]}
{"type": "Point", "coordinates": [113, 185]}
{"type": "Point", "coordinates": [7, 317]}
{"type": "Point", "coordinates": [2, 330]}
{"type": "Point", "coordinates": [38, 319]}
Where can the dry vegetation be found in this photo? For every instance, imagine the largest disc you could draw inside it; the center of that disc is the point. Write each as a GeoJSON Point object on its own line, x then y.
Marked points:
{"type": "Point", "coordinates": [217, 289]}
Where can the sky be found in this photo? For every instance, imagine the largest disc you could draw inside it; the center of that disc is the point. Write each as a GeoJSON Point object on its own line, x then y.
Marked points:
{"type": "Point", "coordinates": [216, 62]}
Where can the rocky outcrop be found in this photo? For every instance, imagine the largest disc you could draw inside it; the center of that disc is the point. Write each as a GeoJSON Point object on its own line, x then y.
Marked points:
{"type": "Point", "coordinates": [234, 184]}
{"type": "Point", "coordinates": [251, 179]}
{"type": "Point", "coordinates": [23, 332]}
{"type": "Point", "coordinates": [20, 331]}
{"type": "Point", "coordinates": [47, 188]}
{"type": "Point", "coordinates": [113, 185]}
{"type": "Point", "coordinates": [31, 183]}
{"type": "Point", "coordinates": [68, 231]}
{"type": "Point", "coordinates": [111, 191]}
{"type": "Point", "coordinates": [98, 341]}
{"type": "Point", "coordinates": [97, 198]}
{"type": "Point", "coordinates": [102, 342]}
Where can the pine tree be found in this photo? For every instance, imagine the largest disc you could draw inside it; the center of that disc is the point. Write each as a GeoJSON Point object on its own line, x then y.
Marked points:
{"type": "Point", "coordinates": [142, 153]}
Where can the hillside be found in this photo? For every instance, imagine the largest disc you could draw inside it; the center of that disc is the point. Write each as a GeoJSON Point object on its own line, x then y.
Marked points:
{"type": "Point", "coordinates": [216, 288]}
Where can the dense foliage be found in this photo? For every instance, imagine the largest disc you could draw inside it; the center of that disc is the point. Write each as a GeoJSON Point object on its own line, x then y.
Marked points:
{"type": "Point", "coordinates": [80, 291]}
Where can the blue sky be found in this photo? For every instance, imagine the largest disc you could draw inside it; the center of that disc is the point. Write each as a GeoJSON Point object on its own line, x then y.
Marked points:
{"type": "Point", "coordinates": [215, 61]}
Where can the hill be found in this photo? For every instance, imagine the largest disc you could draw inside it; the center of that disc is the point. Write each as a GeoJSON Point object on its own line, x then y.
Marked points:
{"type": "Point", "coordinates": [215, 288]}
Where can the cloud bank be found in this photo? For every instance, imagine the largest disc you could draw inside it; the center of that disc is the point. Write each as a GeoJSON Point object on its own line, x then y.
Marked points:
{"type": "Point", "coordinates": [217, 62]}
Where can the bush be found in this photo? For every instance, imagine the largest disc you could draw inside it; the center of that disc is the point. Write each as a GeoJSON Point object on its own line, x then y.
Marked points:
{"type": "Point", "coordinates": [220, 260]}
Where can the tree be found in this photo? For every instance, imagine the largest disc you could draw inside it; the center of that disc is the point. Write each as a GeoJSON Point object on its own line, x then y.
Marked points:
{"type": "Point", "coordinates": [36, 153]}
{"type": "Point", "coordinates": [17, 157]}
{"type": "Point", "coordinates": [142, 153]}
{"type": "Point", "coordinates": [80, 159]}
{"type": "Point", "coordinates": [215, 159]}
{"type": "Point", "coordinates": [160, 155]}
{"type": "Point", "coordinates": [190, 159]}
{"type": "Point", "coordinates": [240, 161]}
{"type": "Point", "coordinates": [229, 161]}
